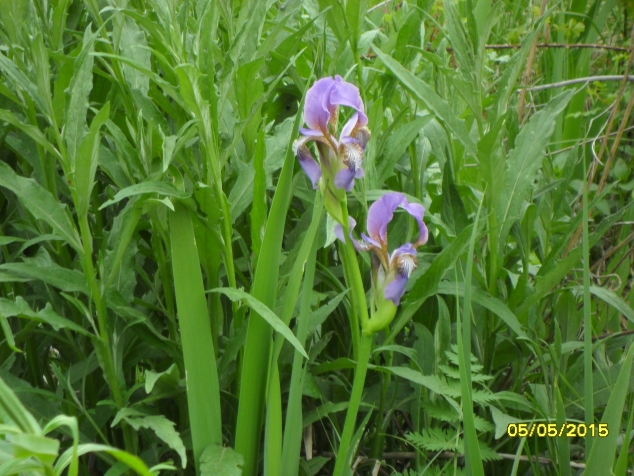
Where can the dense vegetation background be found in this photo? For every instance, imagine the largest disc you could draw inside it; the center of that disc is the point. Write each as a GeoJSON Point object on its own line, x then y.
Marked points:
{"type": "Point", "coordinates": [145, 141]}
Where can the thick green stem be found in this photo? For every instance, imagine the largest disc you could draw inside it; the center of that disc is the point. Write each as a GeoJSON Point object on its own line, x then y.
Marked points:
{"type": "Point", "coordinates": [353, 274]}
{"type": "Point", "coordinates": [343, 455]}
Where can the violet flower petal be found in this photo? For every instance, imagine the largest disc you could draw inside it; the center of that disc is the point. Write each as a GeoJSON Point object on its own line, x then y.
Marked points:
{"type": "Point", "coordinates": [418, 212]}
{"type": "Point", "coordinates": [395, 289]}
{"type": "Point", "coordinates": [345, 179]}
{"type": "Point", "coordinates": [318, 108]}
{"type": "Point", "coordinates": [311, 132]}
{"type": "Point", "coordinates": [311, 168]}
{"type": "Point", "coordinates": [358, 245]}
{"type": "Point", "coordinates": [381, 213]}
{"type": "Point", "coordinates": [346, 94]}
{"type": "Point", "coordinates": [349, 127]}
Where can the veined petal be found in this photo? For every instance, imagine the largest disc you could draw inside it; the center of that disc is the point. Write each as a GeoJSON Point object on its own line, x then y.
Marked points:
{"type": "Point", "coordinates": [381, 213]}
{"type": "Point", "coordinates": [346, 94]}
{"type": "Point", "coordinates": [345, 179]}
{"type": "Point", "coordinates": [318, 108]}
{"type": "Point", "coordinates": [395, 289]}
{"type": "Point", "coordinates": [418, 212]}
{"type": "Point", "coordinates": [358, 245]}
{"type": "Point", "coordinates": [307, 161]}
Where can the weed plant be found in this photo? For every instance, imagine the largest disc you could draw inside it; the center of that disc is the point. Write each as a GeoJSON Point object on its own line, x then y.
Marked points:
{"type": "Point", "coordinates": [173, 295]}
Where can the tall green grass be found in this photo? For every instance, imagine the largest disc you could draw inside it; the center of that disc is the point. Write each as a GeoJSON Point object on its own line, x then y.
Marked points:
{"type": "Point", "coordinates": [172, 299]}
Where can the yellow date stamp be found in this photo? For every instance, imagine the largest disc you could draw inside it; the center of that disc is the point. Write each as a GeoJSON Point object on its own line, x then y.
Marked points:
{"type": "Point", "coordinates": [554, 430]}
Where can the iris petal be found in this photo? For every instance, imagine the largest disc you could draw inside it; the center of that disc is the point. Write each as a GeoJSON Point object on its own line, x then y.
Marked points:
{"type": "Point", "coordinates": [358, 245]}
{"type": "Point", "coordinates": [318, 108]}
{"type": "Point", "coordinates": [345, 179]}
{"type": "Point", "coordinates": [395, 289]}
{"type": "Point", "coordinates": [381, 213]}
{"type": "Point", "coordinates": [418, 212]}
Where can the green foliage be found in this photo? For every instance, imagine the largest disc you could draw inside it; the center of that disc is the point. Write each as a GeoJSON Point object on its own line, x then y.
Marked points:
{"type": "Point", "coordinates": [171, 300]}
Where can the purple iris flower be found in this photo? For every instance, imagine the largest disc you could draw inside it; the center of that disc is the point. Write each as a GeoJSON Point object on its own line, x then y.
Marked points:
{"type": "Point", "coordinates": [340, 158]}
{"type": "Point", "coordinates": [396, 267]}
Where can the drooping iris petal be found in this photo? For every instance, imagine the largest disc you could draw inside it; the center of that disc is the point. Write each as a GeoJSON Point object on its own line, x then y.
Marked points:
{"type": "Point", "coordinates": [312, 169]}
{"type": "Point", "coordinates": [318, 108]}
{"type": "Point", "coordinates": [306, 160]}
{"type": "Point", "coordinates": [358, 245]}
{"type": "Point", "coordinates": [418, 212]}
{"type": "Point", "coordinates": [395, 289]}
{"type": "Point", "coordinates": [381, 213]}
{"type": "Point", "coordinates": [346, 94]}
{"type": "Point", "coordinates": [345, 179]}
{"type": "Point", "coordinates": [403, 263]}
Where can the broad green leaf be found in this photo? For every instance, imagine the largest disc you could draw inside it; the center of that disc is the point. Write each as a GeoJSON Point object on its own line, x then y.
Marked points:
{"type": "Point", "coordinates": [14, 409]}
{"type": "Point", "coordinates": [265, 284]}
{"type": "Point", "coordinates": [397, 144]}
{"type": "Point", "coordinates": [43, 448]}
{"type": "Point", "coordinates": [429, 99]}
{"type": "Point", "coordinates": [221, 461]}
{"type": "Point", "coordinates": [613, 300]}
{"type": "Point", "coordinates": [241, 194]}
{"type": "Point", "coordinates": [602, 455]}
{"type": "Point", "coordinates": [20, 308]}
{"type": "Point", "coordinates": [203, 390]}
{"type": "Point", "coordinates": [524, 161]}
{"type": "Point", "coordinates": [68, 280]}
{"type": "Point", "coordinates": [453, 211]}
{"type": "Point", "coordinates": [41, 204]}
{"type": "Point", "coordinates": [264, 312]}
{"type": "Point", "coordinates": [134, 45]}
{"type": "Point", "coordinates": [22, 82]}
{"type": "Point", "coordinates": [87, 160]}
{"type": "Point", "coordinates": [162, 188]}
{"type": "Point", "coordinates": [77, 97]}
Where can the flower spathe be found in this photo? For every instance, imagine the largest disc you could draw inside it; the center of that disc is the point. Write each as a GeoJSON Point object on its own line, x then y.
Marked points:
{"type": "Point", "coordinates": [340, 159]}
{"type": "Point", "coordinates": [396, 267]}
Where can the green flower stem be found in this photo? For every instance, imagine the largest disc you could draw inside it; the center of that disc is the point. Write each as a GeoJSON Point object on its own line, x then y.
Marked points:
{"type": "Point", "coordinates": [353, 274]}
{"type": "Point", "coordinates": [343, 456]}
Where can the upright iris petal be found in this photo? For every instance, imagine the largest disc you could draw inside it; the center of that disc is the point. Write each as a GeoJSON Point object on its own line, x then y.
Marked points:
{"type": "Point", "coordinates": [399, 265]}
{"type": "Point", "coordinates": [340, 162]}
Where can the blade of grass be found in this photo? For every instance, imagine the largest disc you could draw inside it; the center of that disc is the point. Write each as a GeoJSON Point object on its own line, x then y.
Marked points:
{"type": "Point", "coordinates": [293, 427]}
{"type": "Point", "coordinates": [473, 459]}
{"type": "Point", "coordinates": [258, 343]}
{"type": "Point", "coordinates": [601, 456]}
{"type": "Point", "coordinates": [203, 392]}
{"type": "Point", "coordinates": [587, 319]}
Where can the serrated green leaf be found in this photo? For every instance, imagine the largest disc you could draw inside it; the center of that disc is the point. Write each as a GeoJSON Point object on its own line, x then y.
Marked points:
{"type": "Point", "coordinates": [220, 461]}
